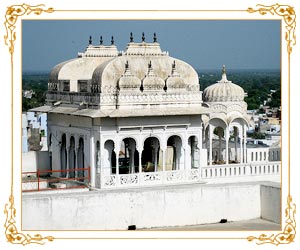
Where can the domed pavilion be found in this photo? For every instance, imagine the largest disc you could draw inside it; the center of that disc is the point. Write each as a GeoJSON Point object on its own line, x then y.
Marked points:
{"type": "Point", "coordinates": [135, 113]}
{"type": "Point", "coordinates": [228, 120]}
{"type": "Point", "coordinates": [137, 118]}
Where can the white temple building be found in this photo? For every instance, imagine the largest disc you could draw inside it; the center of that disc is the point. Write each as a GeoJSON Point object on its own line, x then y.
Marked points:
{"type": "Point", "coordinates": [151, 149]}
{"type": "Point", "coordinates": [138, 117]}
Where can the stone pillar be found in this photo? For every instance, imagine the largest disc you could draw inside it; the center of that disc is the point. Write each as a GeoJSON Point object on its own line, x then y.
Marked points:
{"type": "Point", "coordinates": [92, 160]}
{"type": "Point", "coordinates": [155, 150]}
{"type": "Point", "coordinates": [187, 157]}
{"type": "Point", "coordinates": [220, 144]}
{"type": "Point", "coordinates": [200, 146]}
{"type": "Point", "coordinates": [140, 161]}
{"type": "Point", "coordinates": [245, 147]}
{"type": "Point", "coordinates": [164, 159]}
{"type": "Point", "coordinates": [235, 144]}
{"type": "Point", "coordinates": [141, 147]}
{"type": "Point", "coordinates": [117, 151]}
{"type": "Point", "coordinates": [226, 141]}
{"type": "Point", "coordinates": [210, 144]}
{"type": "Point", "coordinates": [68, 155]}
{"type": "Point", "coordinates": [101, 159]}
{"type": "Point", "coordinates": [76, 157]}
{"type": "Point", "coordinates": [241, 149]}
{"type": "Point", "coordinates": [164, 149]}
{"type": "Point", "coordinates": [131, 149]}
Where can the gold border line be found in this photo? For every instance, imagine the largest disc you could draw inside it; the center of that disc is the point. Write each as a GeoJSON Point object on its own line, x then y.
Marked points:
{"type": "Point", "coordinates": [15, 11]}
{"type": "Point", "coordinates": [62, 10]}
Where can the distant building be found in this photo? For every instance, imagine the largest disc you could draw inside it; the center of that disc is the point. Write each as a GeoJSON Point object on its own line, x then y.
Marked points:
{"type": "Point", "coordinates": [34, 131]}
{"type": "Point", "coordinates": [28, 93]}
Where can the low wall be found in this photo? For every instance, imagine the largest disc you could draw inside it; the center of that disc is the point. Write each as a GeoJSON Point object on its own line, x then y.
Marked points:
{"type": "Point", "coordinates": [149, 207]}
{"type": "Point", "coordinates": [35, 159]}
{"type": "Point", "coordinates": [270, 202]}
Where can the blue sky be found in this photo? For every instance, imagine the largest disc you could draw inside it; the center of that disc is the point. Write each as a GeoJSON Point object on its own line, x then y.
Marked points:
{"type": "Point", "coordinates": [205, 44]}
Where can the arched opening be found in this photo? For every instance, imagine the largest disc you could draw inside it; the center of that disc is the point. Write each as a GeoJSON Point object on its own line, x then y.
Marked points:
{"type": "Point", "coordinates": [109, 157]}
{"type": "Point", "coordinates": [150, 156]}
{"type": "Point", "coordinates": [234, 145]}
{"type": "Point", "coordinates": [194, 151]}
{"type": "Point", "coordinates": [72, 157]}
{"type": "Point", "coordinates": [80, 157]}
{"type": "Point", "coordinates": [218, 145]}
{"type": "Point", "coordinates": [128, 157]}
{"type": "Point", "coordinates": [63, 155]}
{"type": "Point", "coordinates": [174, 153]}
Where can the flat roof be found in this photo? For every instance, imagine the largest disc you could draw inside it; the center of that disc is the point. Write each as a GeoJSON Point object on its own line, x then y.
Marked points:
{"type": "Point", "coordinates": [95, 113]}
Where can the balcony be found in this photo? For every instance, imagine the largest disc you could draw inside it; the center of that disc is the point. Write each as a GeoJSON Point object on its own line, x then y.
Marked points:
{"type": "Point", "coordinates": [73, 97]}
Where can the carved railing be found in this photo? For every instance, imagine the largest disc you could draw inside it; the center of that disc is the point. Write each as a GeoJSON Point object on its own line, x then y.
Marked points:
{"type": "Point", "coordinates": [150, 178]}
{"type": "Point", "coordinates": [241, 170]}
{"type": "Point", "coordinates": [73, 97]}
{"type": "Point", "coordinates": [215, 172]}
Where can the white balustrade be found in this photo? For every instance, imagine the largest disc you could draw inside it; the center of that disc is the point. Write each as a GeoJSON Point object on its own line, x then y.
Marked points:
{"type": "Point", "coordinates": [214, 172]}
{"type": "Point", "coordinates": [151, 178]}
{"type": "Point", "coordinates": [230, 171]}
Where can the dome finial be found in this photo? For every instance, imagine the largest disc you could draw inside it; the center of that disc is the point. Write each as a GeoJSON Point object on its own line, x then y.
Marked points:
{"type": "Point", "coordinates": [90, 40]}
{"type": "Point", "coordinates": [223, 70]}
{"type": "Point", "coordinates": [112, 40]}
{"type": "Point", "coordinates": [131, 37]}
{"type": "Point", "coordinates": [143, 37]}
{"type": "Point", "coordinates": [101, 40]}
{"type": "Point", "coordinates": [154, 38]}
{"type": "Point", "coordinates": [224, 77]}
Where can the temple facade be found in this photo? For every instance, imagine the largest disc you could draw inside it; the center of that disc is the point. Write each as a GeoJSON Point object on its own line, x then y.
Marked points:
{"type": "Point", "coordinates": [138, 117]}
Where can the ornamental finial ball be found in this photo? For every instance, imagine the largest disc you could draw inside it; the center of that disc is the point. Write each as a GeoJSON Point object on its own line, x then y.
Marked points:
{"type": "Point", "coordinates": [223, 69]}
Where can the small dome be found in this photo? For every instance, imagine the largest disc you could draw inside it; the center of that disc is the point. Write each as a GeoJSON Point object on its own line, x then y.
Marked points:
{"type": "Point", "coordinates": [174, 81]}
{"type": "Point", "coordinates": [129, 81]}
{"type": "Point", "coordinates": [152, 81]}
{"type": "Point", "coordinates": [223, 91]}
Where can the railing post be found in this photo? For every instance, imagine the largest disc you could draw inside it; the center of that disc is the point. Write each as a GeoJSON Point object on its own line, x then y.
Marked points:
{"type": "Point", "coordinates": [38, 177]}
{"type": "Point", "coordinates": [89, 174]}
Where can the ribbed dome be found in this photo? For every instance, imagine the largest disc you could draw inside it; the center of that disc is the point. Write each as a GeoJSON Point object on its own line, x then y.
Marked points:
{"type": "Point", "coordinates": [128, 81]}
{"type": "Point", "coordinates": [223, 91]}
{"type": "Point", "coordinates": [152, 81]}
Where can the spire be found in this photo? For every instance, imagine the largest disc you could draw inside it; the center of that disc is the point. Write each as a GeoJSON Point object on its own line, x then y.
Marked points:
{"type": "Point", "coordinates": [154, 38]}
{"type": "Point", "coordinates": [150, 69]}
{"type": "Point", "coordinates": [224, 77]}
{"type": "Point", "coordinates": [112, 40]}
{"type": "Point", "coordinates": [223, 70]}
{"type": "Point", "coordinates": [127, 71]}
{"type": "Point", "coordinates": [174, 71]}
{"type": "Point", "coordinates": [101, 40]}
{"type": "Point", "coordinates": [143, 37]}
{"type": "Point", "coordinates": [90, 40]}
{"type": "Point", "coordinates": [131, 37]}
